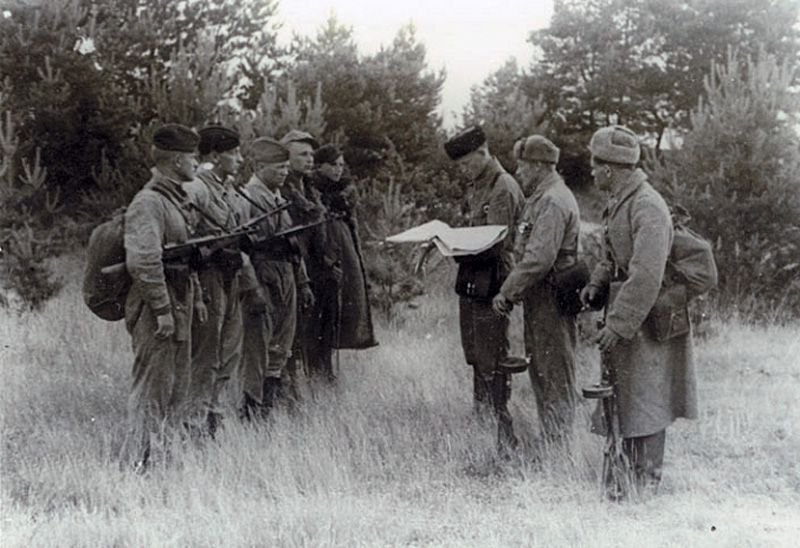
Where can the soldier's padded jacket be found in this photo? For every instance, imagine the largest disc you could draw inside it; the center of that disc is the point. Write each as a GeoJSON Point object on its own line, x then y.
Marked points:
{"type": "Point", "coordinates": [547, 236]}
{"type": "Point", "coordinates": [267, 199]}
{"type": "Point", "coordinates": [227, 208]}
{"type": "Point", "coordinates": [152, 221]}
{"type": "Point", "coordinates": [655, 380]}
{"type": "Point", "coordinates": [496, 199]}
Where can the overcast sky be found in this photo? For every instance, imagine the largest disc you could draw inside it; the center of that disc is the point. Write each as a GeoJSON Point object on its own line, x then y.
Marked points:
{"type": "Point", "coordinates": [469, 38]}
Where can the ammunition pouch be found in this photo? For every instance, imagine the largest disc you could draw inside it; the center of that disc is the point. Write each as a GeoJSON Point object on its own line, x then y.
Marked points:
{"type": "Point", "coordinates": [278, 249]}
{"type": "Point", "coordinates": [227, 260]}
{"type": "Point", "coordinates": [567, 285]}
{"type": "Point", "coordinates": [178, 276]}
{"type": "Point", "coordinates": [669, 317]}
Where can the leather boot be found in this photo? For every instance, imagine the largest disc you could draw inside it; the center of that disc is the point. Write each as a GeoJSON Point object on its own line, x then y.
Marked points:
{"type": "Point", "coordinates": [273, 391]}
{"type": "Point", "coordinates": [481, 393]}
{"type": "Point", "coordinates": [249, 410]}
{"type": "Point", "coordinates": [501, 393]}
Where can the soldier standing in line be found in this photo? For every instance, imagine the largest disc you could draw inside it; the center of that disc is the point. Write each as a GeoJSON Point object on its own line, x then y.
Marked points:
{"type": "Point", "coordinates": [217, 343]}
{"type": "Point", "coordinates": [281, 275]}
{"type": "Point", "coordinates": [342, 316]}
{"type": "Point", "coordinates": [547, 241]}
{"type": "Point", "coordinates": [655, 381]}
{"type": "Point", "coordinates": [163, 297]}
{"type": "Point", "coordinates": [323, 268]}
{"type": "Point", "coordinates": [494, 197]}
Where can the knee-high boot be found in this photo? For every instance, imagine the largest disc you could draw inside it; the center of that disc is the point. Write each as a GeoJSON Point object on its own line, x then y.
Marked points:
{"type": "Point", "coordinates": [501, 393]}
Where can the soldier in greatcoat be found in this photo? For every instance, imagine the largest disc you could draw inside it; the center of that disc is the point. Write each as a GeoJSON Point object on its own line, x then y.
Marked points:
{"type": "Point", "coordinates": [342, 316]}
{"type": "Point", "coordinates": [547, 242]}
{"type": "Point", "coordinates": [493, 197]}
{"type": "Point", "coordinates": [162, 297]}
{"type": "Point", "coordinates": [655, 380]}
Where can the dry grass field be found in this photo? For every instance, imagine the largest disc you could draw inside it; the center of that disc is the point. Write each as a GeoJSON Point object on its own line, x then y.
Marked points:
{"type": "Point", "coordinates": [390, 456]}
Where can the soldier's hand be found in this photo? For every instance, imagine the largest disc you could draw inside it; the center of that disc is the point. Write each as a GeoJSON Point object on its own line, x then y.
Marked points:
{"type": "Point", "coordinates": [606, 339]}
{"type": "Point", "coordinates": [307, 297]}
{"type": "Point", "coordinates": [501, 305]}
{"type": "Point", "coordinates": [337, 273]}
{"type": "Point", "coordinates": [201, 311]}
{"type": "Point", "coordinates": [166, 326]}
{"type": "Point", "coordinates": [588, 294]}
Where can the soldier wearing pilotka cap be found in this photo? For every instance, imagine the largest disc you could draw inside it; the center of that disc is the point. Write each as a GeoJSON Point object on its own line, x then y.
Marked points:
{"type": "Point", "coordinates": [162, 298]}
{"type": "Point", "coordinates": [281, 275]}
{"type": "Point", "coordinates": [546, 242]}
{"type": "Point", "coordinates": [322, 266]}
{"type": "Point", "coordinates": [493, 197]}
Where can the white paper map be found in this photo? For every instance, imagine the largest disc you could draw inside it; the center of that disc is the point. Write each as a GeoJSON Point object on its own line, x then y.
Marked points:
{"type": "Point", "coordinates": [453, 242]}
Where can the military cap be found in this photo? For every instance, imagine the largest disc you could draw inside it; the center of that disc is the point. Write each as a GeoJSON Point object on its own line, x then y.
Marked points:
{"type": "Point", "coordinates": [615, 144]}
{"type": "Point", "coordinates": [536, 148]}
{"type": "Point", "coordinates": [217, 139]}
{"type": "Point", "coordinates": [176, 138]}
{"type": "Point", "coordinates": [269, 151]}
{"type": "Point", "coordinates": [297, 136]}
{"type": "Point", "coordinates": [468, 140]}
{"type": "Point", "coordinates": [327, 154]}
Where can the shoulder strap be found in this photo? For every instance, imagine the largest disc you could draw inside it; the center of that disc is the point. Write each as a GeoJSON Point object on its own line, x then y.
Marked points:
{"type": "Point", "coordinates": [617, 267]}
{"type": "Point", "coordinates": [181, 209]}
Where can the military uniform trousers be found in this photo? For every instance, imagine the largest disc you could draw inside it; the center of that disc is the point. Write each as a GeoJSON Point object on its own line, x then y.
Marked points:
{"type": "Point", "coordinates": [484, 338]}
{"type": "Point", "coordinates": [161, 369]}
{"type": "Point", "coordinates": [268, 337]}
{"type": "Point", "coordinates": [550, 342]}
{"type": "Point", "coordinates": [217, 343]}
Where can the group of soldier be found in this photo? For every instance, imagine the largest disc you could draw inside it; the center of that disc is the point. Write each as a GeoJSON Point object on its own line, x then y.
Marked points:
{"type": "Point", "coordinates": [261, 312]}
{"type": "Point", "coordinates": [653, 379]}
{"type": "Point", "coordinates": [301, 293]}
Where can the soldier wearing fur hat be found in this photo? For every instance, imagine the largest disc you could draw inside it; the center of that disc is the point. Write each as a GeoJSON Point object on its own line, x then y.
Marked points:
{"type": "Point", "coordinates": [162, 298]}
{"type": "Point", "coordinates": [493, 197]}
{"type": "Point", "coordinates": [217, 342]}
{"type": "Point", "coordinates": [655, 382]}
{"type": "Point", "coordinates": [547, 242]}
{"type": "Point", "coordinates": [281, 275]}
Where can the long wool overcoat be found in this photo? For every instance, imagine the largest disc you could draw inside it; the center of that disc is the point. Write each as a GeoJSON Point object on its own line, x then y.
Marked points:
{"type": "Point", "coordinates": [655, 380]}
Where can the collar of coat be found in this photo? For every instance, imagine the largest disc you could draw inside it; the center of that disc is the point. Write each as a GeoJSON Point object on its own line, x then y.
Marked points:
{"type": "Point", "coordinates": [208, 176]}
{"type": "Point", "coordinates": [636, 179]}
{"type": "Point", "coordinates": [550, 180]}
{"type": "Point", "coordinates": [273, 195]}
{"type": "Point", "coordinates": [487, 176]}
{"type": "Point", "coordinates": [169, 186]}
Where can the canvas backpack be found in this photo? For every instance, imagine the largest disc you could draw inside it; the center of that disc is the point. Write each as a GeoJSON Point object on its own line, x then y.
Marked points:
{"type": "Point", "coordinates": [691, 259]}
{"type": "Point", "coordinates": [105, 293]}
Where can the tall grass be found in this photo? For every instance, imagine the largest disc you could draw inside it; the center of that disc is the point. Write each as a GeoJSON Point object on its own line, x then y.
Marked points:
{"type": "Point", "coordinates": [390, 456]}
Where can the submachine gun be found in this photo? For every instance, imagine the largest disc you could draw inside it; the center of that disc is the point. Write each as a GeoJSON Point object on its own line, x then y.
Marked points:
{"type": "Point", "coordinates": [616, 477]}
{"type": "Point", "coordinates": [214, 249]}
